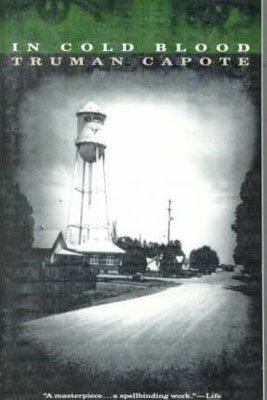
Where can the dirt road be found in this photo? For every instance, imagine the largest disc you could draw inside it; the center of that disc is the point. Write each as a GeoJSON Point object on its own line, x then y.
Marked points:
{"type": "Point", "coordinates": [181, 325]}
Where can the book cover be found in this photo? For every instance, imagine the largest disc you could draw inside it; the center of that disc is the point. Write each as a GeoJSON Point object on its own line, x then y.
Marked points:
{"type": "Point", "coordinates": [131, 190]}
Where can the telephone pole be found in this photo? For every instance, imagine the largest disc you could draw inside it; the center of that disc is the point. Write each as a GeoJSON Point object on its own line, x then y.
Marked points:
{"type": "Point", "coordinates": [170, 218]}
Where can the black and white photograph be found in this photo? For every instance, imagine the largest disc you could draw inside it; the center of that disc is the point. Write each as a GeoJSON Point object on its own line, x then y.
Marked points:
{"type": "Point", "coordinates": [134, 233]}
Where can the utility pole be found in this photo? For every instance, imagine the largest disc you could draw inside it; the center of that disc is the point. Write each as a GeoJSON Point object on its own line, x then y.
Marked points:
{"type": "Point", "coordinates": [170, 218]}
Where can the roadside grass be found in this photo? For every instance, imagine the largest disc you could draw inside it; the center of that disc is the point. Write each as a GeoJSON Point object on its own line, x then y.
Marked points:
{"type": "Point", "coordinates": [107, 291]}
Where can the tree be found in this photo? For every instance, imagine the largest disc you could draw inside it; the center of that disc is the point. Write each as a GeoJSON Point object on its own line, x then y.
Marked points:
{"type": "Point", "coordinates": [134, 259]}
{"type": "Point", "coordinates": [169, 264]}
{"type": "Point", "coordinates": [114, 233]}
{"type": "Point", "coordinates": [17, 223]}
{"type": "Point", "coordinates": [16, 237]}
{"type": "Point", "coordinates": [153, 249]}
{"type": "Point", "coordinates": [247, 225]}
{"type": "Point", "coordinates": [204, 259]}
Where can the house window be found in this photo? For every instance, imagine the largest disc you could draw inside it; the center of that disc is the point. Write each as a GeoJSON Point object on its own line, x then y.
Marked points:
{"type": "Point", "coordinates": [94, 260]}
{"type": "Point", "coordinates": [104, 260]}
{"type": "Point", "coordinates": [111, 260]}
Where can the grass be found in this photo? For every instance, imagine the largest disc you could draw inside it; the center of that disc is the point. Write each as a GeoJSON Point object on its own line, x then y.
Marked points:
{"type": "Point", "coordinates": [107, 291]}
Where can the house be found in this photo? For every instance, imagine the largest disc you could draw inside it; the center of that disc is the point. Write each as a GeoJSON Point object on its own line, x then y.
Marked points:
{"type": "Point", "coordinates": [51, 247]}
{"type": "Point", "coordinates": [103, 256]}
{"type": "Point", "coordinates": [153, 265]}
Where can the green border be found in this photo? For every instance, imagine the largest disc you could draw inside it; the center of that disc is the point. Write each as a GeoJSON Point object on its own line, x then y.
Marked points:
{"type": "Point", "coordinates": [148, 22]}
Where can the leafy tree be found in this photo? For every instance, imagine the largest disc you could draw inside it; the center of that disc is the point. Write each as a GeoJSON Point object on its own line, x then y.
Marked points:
{"type": "Point", "coordinates": [169, 263]}
{"type": "Point", "coordinates": [247, 225]}
{"type": "Point", "coordinates": [16, 237]}
{"type": "Point", "coordinates": [134, 260]}
{"type": "Point", "coordinates": [137, 252]}
{"type": "Point", "coordinates": [153, 249]}
{"type": "Point", "coordinates": [204, 259]}
{"type": "Point", "coordinates": [17, 223]}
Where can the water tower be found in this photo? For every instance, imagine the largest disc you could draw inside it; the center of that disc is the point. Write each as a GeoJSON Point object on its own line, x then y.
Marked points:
{"type": "Point", "coordinates": [88, 215]}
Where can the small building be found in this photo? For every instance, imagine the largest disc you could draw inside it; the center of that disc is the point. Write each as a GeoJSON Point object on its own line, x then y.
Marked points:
{"type": "Point", "coordinates": [43, 245]}
{"type": "Point", "coordinates": [103, 256]}
{"type": "Point", "coordinates": [153, 265]}
{"type": "Point", "coordinates": [181, 262]}
{"type": "Point", "coordinates": [51, 278]}
{"type": "Point", "coordinates": [51, 247]}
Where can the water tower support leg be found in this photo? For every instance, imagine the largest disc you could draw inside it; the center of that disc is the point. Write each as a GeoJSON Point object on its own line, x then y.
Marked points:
{"type": "Point", "coordinates": [82, 200]}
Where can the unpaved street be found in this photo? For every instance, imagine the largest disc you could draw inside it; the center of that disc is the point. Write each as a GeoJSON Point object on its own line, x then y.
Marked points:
{"type": "Point", "coordinates": [181, 325]}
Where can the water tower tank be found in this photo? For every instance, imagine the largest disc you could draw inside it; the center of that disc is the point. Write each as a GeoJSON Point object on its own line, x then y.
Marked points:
{"type": "Point", "coordinates": [89, 142]}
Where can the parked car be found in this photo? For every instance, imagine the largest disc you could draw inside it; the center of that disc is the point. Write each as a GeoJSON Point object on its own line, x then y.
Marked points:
{"type": "Point", "coordinates": [229, 268]}
{"type": "Point", "coordinates": [138, 277]}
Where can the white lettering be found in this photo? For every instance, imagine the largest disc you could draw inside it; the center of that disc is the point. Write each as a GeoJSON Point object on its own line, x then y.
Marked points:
{"type": "Point", "coordinates": [76, 61]}
{"type": "Point", "coordinates": [16, 60]}
{"type": "Point", "coordinates": [56, 61]}
{"type": "Point", "coordinates": [185, 61]}
{"type": "Point", "coordinates": [33, 46]}
{"type": "Point", "coordinates": [97, 61]}
{"type": "Point", "coordinates": [148, 61]}
{"type": "Point", "coordinates": [127, 47]}
{"type": "Point", "coordinates": [167, 62]}
{"type": "Point", "coordinates": [87, 47]}
{"type": "Point", "coordinates": [180, 49]}
{"type": "Point", "coordinates": [201, 47]}
{"type": "Point", "coordinates": [106, 47]}
{"type": "Point", "coordinates": [222, 47]}
{"type": "Point", "coordinates": [205, 61]}
{"type": "Point", "coordinates": [225, 61]}
{"type": "Point", "coordinates": [243, 61]}
{"type": "Point", "coordinates": [14, 46]}
{"type": "Point", "coordinates": [116, 60]}
{"type": "Point", "coordinates": [36, 61]}
{"type": "Point", "coordinates": [160, 47]}
{"type": "Point", "coordinates": [243, 47]}
{"type": "Point", "coordinates": [66, 47]}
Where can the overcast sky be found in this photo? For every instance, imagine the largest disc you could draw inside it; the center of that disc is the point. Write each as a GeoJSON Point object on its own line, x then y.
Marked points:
{"type": "Point", "coordinates": [168, 135]}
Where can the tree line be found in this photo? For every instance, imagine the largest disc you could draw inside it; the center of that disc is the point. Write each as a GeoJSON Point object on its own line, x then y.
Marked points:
{"type": "Point", "coordinates": [172, 256]}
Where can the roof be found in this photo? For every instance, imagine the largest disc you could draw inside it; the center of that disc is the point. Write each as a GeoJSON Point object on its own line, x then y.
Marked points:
{"type": "Point", "coordinates": [48, 240]}
{"type": "Point", "coordinates": [45, 239]}
{"type": "Point", "coordinates": [153, 263]}
{"type": "Point", "coordinates": [64, 252]}
{"type": "Point", "coordinates": [90, 107]}
{"type": "Point", "coordinates": [97, 246]}
{"type": "Point", "coordinates": [151, 260]}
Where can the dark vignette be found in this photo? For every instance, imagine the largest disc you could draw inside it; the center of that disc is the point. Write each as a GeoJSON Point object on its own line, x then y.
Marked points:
{"type": "Point", "coordinates": [14, 82]}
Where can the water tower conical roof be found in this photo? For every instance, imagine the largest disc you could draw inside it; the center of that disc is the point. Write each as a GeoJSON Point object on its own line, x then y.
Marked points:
{"type": "Point", "coordinates": [90, 107]}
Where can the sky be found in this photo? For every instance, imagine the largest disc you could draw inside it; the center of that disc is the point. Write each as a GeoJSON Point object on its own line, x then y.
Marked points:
{"type": "Point", "coordinates": [169, 135]}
